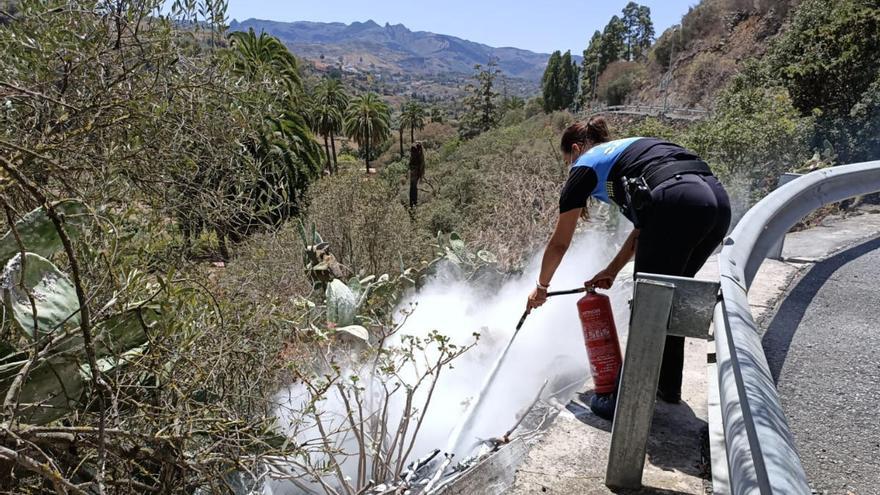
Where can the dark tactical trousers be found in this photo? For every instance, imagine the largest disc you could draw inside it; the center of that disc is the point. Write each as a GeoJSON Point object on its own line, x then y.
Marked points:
{"type": "Point", "coordinates": [687, 220]}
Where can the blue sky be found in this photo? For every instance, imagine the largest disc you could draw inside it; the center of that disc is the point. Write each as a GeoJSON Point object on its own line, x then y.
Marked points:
{"type": "Point", "coordinates": [541, 26]}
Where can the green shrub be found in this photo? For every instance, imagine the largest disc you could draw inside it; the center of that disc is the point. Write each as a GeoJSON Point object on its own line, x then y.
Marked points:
{"type": "Point", "coordinates": [619, 80]}
{"type": "Point", "coordinates": [559, 120]}
{"type": "Point", "coordinates": [448, 148]}
{"type": "Point", "coordinates": [500, 190]}
{"type": "Point", "coordinates": [268, 268]}
{"type": "Point", "coordinates": [395, 175]}
{"type": "Point", "coordinates": [829, 60]}
{"type": "Point", "coordinates": [534, 106]}
{"type": "Point", "coordinates": [440, 216]}
{"type": "Point", "coordinates": [662, 50]}
{"type": "Point", "coordinates": [436, 134]}
{"type": "Point", "coordinates": [368, 229]}
{"type": "Point", "coordinates": [755, 135]}
{"type": "Point", "coordinates": [705, 73]}
{"type": "Point", "coordinates": [513, 116]}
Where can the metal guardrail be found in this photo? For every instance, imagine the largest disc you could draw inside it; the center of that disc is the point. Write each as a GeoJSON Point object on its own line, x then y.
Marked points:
{"type": "Point", "coordinates": [650, 110]}
{"type": "Point", "coordinates": [760, 449]}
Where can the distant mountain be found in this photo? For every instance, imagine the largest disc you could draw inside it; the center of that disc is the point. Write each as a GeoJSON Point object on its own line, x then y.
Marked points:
{"type": "Point", "coordinates": [394, 48]}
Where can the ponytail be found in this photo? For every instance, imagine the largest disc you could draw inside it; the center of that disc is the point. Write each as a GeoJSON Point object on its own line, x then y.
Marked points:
{"type": "Point", "coordinates": [593, 131]}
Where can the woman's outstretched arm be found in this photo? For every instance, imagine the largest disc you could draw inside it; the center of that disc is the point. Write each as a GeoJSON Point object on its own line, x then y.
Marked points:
{"type": "Point", "coordinates": [553, 253]}
{"type": "Point", "coordinates": [605, 278]}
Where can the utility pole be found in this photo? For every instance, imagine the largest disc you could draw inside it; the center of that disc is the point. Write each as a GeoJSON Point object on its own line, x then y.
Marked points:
{"type": "Point", "coordinates": [595, 81]}
{"type": "Point", "coordinates": [667, 78]}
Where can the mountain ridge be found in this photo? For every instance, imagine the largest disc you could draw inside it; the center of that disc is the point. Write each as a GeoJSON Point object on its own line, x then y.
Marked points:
{"type": "Point", "coordinates": [368, 46]}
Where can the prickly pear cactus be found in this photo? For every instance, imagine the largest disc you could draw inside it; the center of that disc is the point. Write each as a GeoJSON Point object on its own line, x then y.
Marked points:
{"type": "Point", "coordinates": [125, 331]}
{"type": "Point", "coordinates": [487, 256]}
{"type": "Point", "coordinates": [51, 292]}
{"type": "Point", "coordinates": [355, 332]}
{"type": "Point", "coordinates": [55, 386]}
{"type": "Point", "coordinates": [341, 303]}
{"type": "Point", "coordinates": [38, 233]}
{"type": "Point", "coordinates": [117, 334]}
{"type": "Point", "coordinates": [456, 251]}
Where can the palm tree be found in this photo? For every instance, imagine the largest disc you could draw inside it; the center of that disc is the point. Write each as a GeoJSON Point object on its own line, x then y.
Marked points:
{"type": "Point", "coordinates": [285, 160]}
{"type": "Point", "coordinates": [400, 125]}
{"type": "Point", "coordinates": [290, 159]}
{"type": "Point", "coordinates": [367, 121]}
{"type": "Point", "coordinates": [286, 156]}
{"type": "Point", "coordinates": [330, 95]}
{"type": "Point", "coordinates": [413, 116]}
{"type": "Point", "coordinates": [265, 56]}
{"type": "Point", "coordinates": [325, 120]}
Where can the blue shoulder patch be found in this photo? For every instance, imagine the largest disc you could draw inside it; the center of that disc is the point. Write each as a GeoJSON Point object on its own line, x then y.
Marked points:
{"type": "Point", "coordinates": [601, 158]}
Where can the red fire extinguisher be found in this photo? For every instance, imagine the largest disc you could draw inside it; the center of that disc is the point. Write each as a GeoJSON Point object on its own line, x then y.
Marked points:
{"type": "Point", "coordinates": [600, 338]}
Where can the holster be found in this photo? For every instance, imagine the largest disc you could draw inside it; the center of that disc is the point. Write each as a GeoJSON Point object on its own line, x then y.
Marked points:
{"type": "Point", "coordinates": [638, 197]}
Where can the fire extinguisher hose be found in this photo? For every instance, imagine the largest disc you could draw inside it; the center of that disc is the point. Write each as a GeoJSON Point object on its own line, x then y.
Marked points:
{"type": "Point", "coordinates": [522, 320]}
{"type": "Point", "coordinates": [470, 414]}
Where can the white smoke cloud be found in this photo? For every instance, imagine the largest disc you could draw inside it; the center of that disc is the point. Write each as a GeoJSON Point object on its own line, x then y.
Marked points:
{"type": "Point", "coordinates": [549, 347]}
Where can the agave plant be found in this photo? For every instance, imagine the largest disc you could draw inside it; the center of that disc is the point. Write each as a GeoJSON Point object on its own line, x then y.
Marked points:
{"type": "Point", "coordinates": [40, 303]}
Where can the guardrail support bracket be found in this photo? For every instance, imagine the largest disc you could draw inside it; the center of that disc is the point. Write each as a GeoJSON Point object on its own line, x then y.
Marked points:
{"type": "Point", "coordinates": [662, 305]}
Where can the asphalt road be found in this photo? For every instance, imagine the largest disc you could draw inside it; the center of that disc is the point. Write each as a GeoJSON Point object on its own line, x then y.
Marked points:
{"type": "Point", "coordinates": [823, 347]}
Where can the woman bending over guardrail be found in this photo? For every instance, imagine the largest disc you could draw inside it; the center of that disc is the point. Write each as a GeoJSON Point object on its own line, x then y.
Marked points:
{"type": "Point", "coordinates": [680, 212]}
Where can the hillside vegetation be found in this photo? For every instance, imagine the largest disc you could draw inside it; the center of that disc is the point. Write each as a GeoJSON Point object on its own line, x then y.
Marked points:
{"type": "Point", "coordinates": [810, 67]}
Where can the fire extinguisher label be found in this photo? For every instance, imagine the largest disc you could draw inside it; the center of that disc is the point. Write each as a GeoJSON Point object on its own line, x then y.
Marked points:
{"type": "Point", "coordinates": [600, 338]}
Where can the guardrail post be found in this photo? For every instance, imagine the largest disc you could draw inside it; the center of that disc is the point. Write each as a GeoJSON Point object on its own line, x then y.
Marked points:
{"type": "Point", "coordinates": [776, 251]}
{"type": "Point", "coordinates": [652, 304]}
{"type": "Point", "coordinates": [661, 305]}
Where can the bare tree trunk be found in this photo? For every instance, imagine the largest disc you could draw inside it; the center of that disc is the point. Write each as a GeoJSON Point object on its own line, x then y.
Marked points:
{"type": "Point", "coordinates": [401, 141]}
{"type": "Point", "coordinates": [412, 135]}
{"type": "Point", "coordinates": [367, 156]}
{"type": "Point", "coordinates": [327, 154]}
{"type": "Point", "coordinates": [416, 172]}
{"type": "Point", "coordinates": [333, 147]}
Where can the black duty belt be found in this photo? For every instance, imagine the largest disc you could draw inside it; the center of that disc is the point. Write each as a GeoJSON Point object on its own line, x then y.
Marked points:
{"type": "Point", "coordinates": [663, 172]}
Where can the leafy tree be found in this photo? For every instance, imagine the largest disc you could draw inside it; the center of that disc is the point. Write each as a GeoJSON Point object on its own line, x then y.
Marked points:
{"type": "Point", "coordinates": [639, 30]}
{"type": "Point", "coordinates": [829, 60]}
{"type": "Point", "coordinates": [618, 81]}
{"type": "Point", "coordinates": [413, 116]}
{"type": "Point", "coordinates": [560, 82]}
{"type": "Point", "coordinates": [367, 121]}
{"type": "Point", "coordinates": [436, 115]}
{"type": "Point", "coordinates": [754, 135]}
{"type": "Point", "coordinates": [631, 27]}
{"type": "Point", "coordinates": [140, 119]}
{"type": "Point", "coordinates": [481, 104]}
{"type": "Point", "coordinates": [289, 160]}
{"type": "Point", "coordinates": [398, 124]}
{"type": "Point", "coordinates": [512, 103]}
{"type": "Point", "coordinates": [668, 44]}
{"type": "Point", "coordinates": [568, 80]}
{"type": "Point", "coordinates": [325, 120]}
{"type": "Point", "coordinates": [645, 34]}
{"type": "Point", "coordinates": [288, 157]}
{"type": "Point", "coordinates": [552, 84]}
{"type": "Point", "coordinates": [590, 69]}
{"type": "Point", "coordinates": [330, 101]}
{"type": "Point", "coordinates": [613, 47]}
